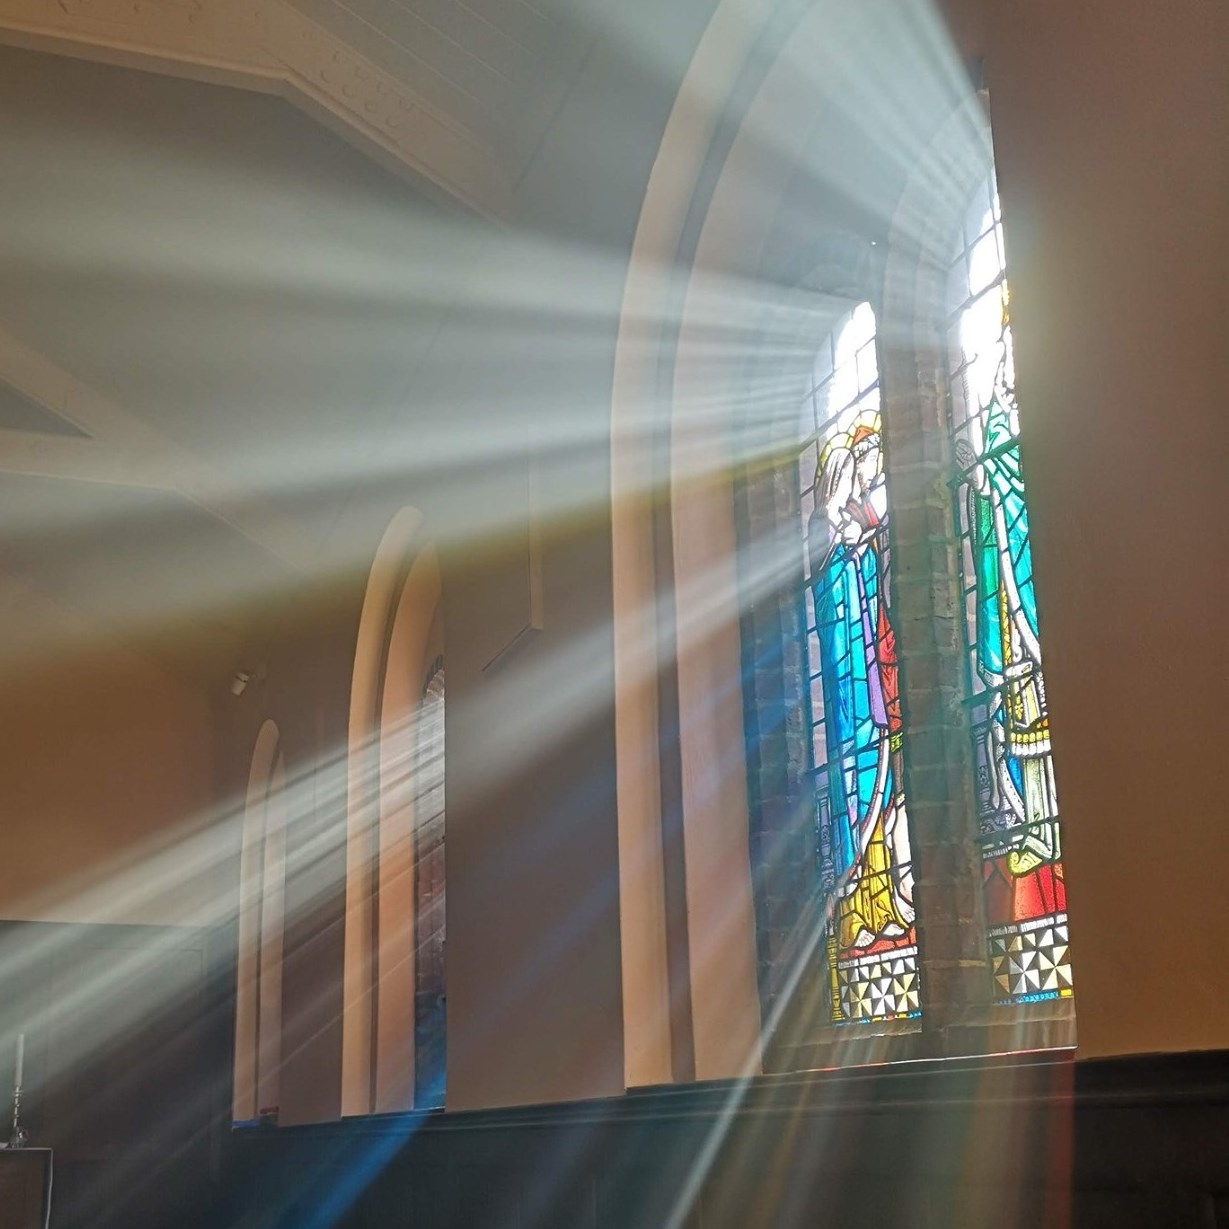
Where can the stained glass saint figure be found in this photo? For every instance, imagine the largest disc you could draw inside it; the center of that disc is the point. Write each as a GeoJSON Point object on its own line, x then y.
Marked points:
{"type": "Point", "coordinates": [1024, 886]}
{"type": "Point", "coordinates": [864, 834]}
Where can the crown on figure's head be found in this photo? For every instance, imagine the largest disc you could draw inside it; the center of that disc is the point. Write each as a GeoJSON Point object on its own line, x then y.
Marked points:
{"type": "Point", "coordinates": [864, 427]}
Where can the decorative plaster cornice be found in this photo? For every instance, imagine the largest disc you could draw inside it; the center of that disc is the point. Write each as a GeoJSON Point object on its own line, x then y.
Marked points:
{"type": "Point", "coordinates": [122, 450]}
{"type": "Point", "coordinates": [268, 45]}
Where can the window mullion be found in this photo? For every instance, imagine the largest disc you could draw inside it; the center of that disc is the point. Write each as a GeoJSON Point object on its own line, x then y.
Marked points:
{"type": "Point", "coordinates": [928, 605]}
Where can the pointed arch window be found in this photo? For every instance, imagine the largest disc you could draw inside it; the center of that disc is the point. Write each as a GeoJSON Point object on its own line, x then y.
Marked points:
{"type": "Point", "coordinates": [879, 568]}
{"type": "Point", "coordinates": [1018, 815]}
{"type": "Point", "coordinates": [430, 1037]}
{"type": "Point", "coordinates": [393, 1049]}
{"type": "Point", "coordinates": [857, 735]}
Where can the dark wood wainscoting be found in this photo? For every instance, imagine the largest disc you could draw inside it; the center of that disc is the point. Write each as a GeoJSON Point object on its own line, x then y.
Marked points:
{"type": "Point", "coordinates": [127, 1065]}
{"type": "Point", "coordinates": [1003, 1143]}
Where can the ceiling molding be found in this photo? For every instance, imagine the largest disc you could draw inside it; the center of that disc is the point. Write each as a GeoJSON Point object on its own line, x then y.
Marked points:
{"type": "Point", "coordinates": [122, 450]}
{"type": "Point", "coordinates": [35, 455]}
{"type": "Point", "coordinates": [273, 48]}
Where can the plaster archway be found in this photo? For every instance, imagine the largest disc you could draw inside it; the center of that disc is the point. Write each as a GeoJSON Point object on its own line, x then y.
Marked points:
{"type": "Point", "coordinates": [696, 288]}
{"type": "Point", "coordinates": [399, 626]}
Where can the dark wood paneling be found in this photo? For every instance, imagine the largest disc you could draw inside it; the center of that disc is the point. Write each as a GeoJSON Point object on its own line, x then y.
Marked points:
{"type": "Point", "coordinates": [1008, 1143]}
{"type": "Point", "coordinates": [130, 1086]}
{"type": "Point", "coordinates": [25, 1187]}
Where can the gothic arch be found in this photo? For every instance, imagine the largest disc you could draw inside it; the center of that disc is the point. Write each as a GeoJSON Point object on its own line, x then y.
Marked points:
{"type": "Point", "coordinates": [400, 634]}
{"type": "Point", "coordinates": [703, 228]}
{"type": "Point", "coordinates": [705, 287]}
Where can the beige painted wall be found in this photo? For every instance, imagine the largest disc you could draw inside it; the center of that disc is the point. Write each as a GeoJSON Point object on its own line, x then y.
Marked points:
{"type": "Point", "coordinates": [1112, 131]}
{"type": "Point", "coordinates": [104, 755]}
{"type": "Point", "coordinates": [534, 987]}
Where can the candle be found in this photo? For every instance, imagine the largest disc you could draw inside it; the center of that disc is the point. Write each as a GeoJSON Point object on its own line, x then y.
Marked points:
{"type": "Point", "coordinates": [21, 1060]}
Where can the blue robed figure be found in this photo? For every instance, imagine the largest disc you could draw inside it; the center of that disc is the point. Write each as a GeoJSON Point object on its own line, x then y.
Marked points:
{"type": "Point", "coordinates": [868, 838]}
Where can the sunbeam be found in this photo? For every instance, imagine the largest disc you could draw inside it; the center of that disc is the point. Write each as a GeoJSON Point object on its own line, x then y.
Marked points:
{"type": "Point", "coordinates": [531, 533]}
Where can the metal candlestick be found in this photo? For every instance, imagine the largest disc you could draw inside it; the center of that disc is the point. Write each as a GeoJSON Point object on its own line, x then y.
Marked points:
{"type": "Point", "coordinates": [20, 1135]}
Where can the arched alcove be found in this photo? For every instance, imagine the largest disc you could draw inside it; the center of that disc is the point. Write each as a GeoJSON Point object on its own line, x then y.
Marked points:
{"type": "Point", "coordinates": [400, 635]}
{"type": "Point", "coordinates": [721, 305]}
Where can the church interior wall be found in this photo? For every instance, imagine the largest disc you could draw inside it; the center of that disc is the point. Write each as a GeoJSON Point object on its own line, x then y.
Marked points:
{"type": "Point", "coordinates": [1113, 173]}
{"type": "Point", "coordinates": [105, 755]}
{"type": "Point", "coordinates": [1109, 128]}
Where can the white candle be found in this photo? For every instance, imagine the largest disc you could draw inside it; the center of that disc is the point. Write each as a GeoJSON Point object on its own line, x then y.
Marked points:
{"type": "Point", "coordinates": [21, 1060]}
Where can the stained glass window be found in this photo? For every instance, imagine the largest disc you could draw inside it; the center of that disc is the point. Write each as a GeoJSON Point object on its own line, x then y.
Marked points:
{"type": "Point", "coordinates": [865, 865]}
{"type": "Point", "coordinates": [429, 973]}
{"type": "Point", "coordinates": [1018, 807]}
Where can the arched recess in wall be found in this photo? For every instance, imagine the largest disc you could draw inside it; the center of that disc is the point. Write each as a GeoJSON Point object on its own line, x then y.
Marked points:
{"type": "Point", "coordinates": [701, 230]}
{"type": "Point", "coordinates": [729, 152]}
{"type": "Point", "coordinates": [766, 102]}
{"type": "Point", "coordinates": [262, 902]}
{"type": "Point", "coordinates": [394, 792]}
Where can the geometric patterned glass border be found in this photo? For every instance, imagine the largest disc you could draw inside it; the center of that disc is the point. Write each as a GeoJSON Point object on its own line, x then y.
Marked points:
{"type": "Point", "coordinates": [1030, 961]}
{"type": "Point", "coordinates": [881, 987]}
